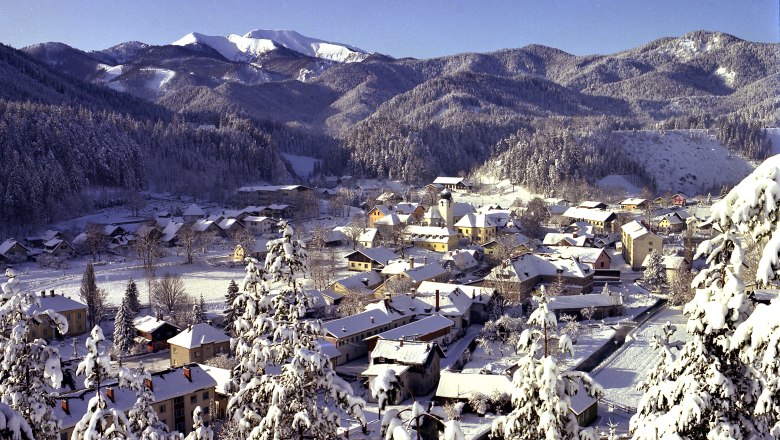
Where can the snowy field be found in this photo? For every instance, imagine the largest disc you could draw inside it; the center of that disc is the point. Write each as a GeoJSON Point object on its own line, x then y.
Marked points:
{"type": "Point", "coordinates": [682, 160]}
{"type": "Point", "coordinates": [621, 374]}
{"type": "Point", "coordinates": [303, 166]}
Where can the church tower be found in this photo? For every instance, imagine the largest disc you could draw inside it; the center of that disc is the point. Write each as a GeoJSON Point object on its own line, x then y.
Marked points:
{"type": "Point", "coordinates": [445, 208]}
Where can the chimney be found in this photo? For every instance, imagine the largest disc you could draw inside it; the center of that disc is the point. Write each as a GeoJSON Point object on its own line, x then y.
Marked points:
{"type": "Point", "coordinates": [209, 322]}
{"type": "Point", "coordinates": [425, 260]}
{"type": "Point", "coordinates": [65, 405]}
{"type": "Point", "coordinates": [187, 373]}
{"type": "Point", "coordinates": [575, 233]}
{"type": "Point", "coordinates": [411, 263]}
{"type": "Point", "coordinates": [149, 384]}
{"type": "Point", "coordinates": [51, 292]}
{"type": "Point", "coordinates": [365, 281]}
{"type": "Point", "coordinates": [372, 320]}
{"type": "Point", "coordinates": [110, 394]}
{"type": "Point", "coordinates": [437, 300]}
{"type": "Point", "coordinates": [401, 341]}
{"type": "Point", "coordinates": [43, 293]}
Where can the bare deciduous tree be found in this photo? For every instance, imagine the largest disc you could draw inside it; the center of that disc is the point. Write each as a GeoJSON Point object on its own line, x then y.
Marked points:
{"type": "Point", "coordinates": [192, 241]}
{"type": "Point", "coordinates": [353, 302]}
{"type": "Point", "coordinates": [169, 296]}
{"type": "Point", "coordinates": [354, 230]}
{"type": "Point", "coordinates": [93, 297]}
{"type": "Point", "coordinates": [96, 240]}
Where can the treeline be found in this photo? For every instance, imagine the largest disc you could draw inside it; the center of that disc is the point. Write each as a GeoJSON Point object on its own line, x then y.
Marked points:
{"type": "Point", "coordinates": [739, 134]}
{"type": "Point", "coordinates": [545, 160]}
{"type": "Point", "coordinates": [52, 153]}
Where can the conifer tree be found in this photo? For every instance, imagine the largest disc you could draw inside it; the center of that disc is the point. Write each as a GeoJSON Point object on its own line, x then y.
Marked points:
{"type": "Point", "coordinates": [131, 293]}
{"type": "Point", "coordinates": [200, 430]}
{"type": "Point", "coordinates": [231, 313]}
{"type": "Point", "coordinates": [199, 311]}
{"type": "Point", "coordinates": [142, 419]}
{"type": "Point", "coordinates": [124, 330]}
{"type": "Point", "coordinates": [92, 296]}
{"type": "Point", "coordinates": [29, 367]}
{"type": "Point", "coordinates": [284, 387]}
{"type": "Point", "coordinates": [655, 272]}
{"type": "Point", "coordinates": [541, 397]}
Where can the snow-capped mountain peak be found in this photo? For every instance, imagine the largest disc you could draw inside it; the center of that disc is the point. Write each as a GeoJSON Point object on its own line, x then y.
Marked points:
{"type": "Point", "coordinates": [258, 42]}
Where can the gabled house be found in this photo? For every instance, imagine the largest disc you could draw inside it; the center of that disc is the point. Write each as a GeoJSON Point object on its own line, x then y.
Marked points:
{"type": "Point", "coordinates": [229, 226]}
{"type": "Point", "coordinates": [348, 334]}
{"type": "Point", "coordinates": [364, 260]}
{"type": "Point", "coordinates": [591, 204]}
{"type": "Point", "coordinates": [674, 221]}
{"type": "Point", "coordinates": [634, 204]}
{"type": "Point", "coordinates": [154, 333]}
{"type": "Point", "coordinates": [679, 200]}
{"type": "Point", "coordinates": [601, 220]}
{"type": "Point", "coordinates": [58, 248]}
{"type": "Point", "coordinates": [434, 328]}
{"type": "Point", "coordinates": [522, 274]}
{"type": "Point", "coordinates": [416, 210]}
{"type": "Point", "coordinates": [477, 228]}
{"type": "Point", "coordinates": [460, 261]}
{"type": "Point", "coordinates": [418, 361]}
{"type": "Point", "coordinates": [437, 239]}
{"type": "Point", "coordinates": [378, 212]}
{"type": "Point", "coordinates": [260, 225]}
{"type": "Point", "coordinates": [12, 251]}
{"type": "Point", "coordinates": [362, 283]}
{"type": "Point", "coordinates": [638, 242]}
{"type": "Point", "coordinates": [596, 258]}
{"type": "Point", "coordinates": [448, 300]}
{"type": "Point", "coordinates": [193, 213]}
{"type": "Point", "coordinates": [39, 240]}
{"type": "Point", "coordinates": [75, 312]}
{"type": "Point", "coordinates": [198, 343]}
{"type": "Point", "coordinates": [454, 183]}
{"type": "Point", "coordinates": [369, 238]}
{"type": "Point", "coordinates": [563, 239]}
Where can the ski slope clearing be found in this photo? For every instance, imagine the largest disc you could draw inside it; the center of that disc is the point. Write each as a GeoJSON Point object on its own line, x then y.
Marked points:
{"type": "Point", "coordinates": [685, 160]}
{"type": "Point", "coordinates": [619, 181]}
{"type": "Point", "coordinates": [303, 166]}
{"type": "Point", "coordinates": [621, 374]}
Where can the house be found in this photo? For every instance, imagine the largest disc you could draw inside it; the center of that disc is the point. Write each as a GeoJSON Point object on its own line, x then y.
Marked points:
{"type": "Point", "coordinates": [437, 239]}
{"type": "Point", "coordinates": [460, 261]}
{"type": "Point", "coordinates": [638, 242]}
{"type": "Point", "coordinates": [176, 394]}
{"type": "Point", "coordinates": [399, 266]}
{"type": "Point", "coordinates": [336, 237]}
{"type": "Point", "coordinates": [601, 220]}
{"type": "Point", "coordinates": [674, 264]}
{"type": "Point", "coordinates": [222, 392]}
{"type": "Point", "coordinates": [675, 221]}
{"type": "Point", "coordinates": [12, 251]}
{"type": "Point", "coordinates": [59, 248]}
{"type": "Point", "coordinates": [207, 226]}
{"type": "Point", "coordinates": [563, 239]}
{"type": "Point", "coordinates": [434, 328]}
{"type": "Point", "coordinates": [633, 204]}
{"type": "Point", "coordinates": [454, 183]}
{"type": "Point", "coordinates": [154, 333]}
{"type": "Point", "coordinates": [422, 360]}
{"type": "Point", "coordinates": [260, 225]}
{"type": "Point", "coordinates": [369, 190]}
{"type": "Point", "coordinates": [590, 204]}
{"type": "Point", "coordinates": [198, 343]}
{"type": "Point", "coordinates": [390, 222]}
{"type": "Point", "coordinates": [270, 194]}
{"type": "Point", "coordinates": [596, 258]}
{"type": "Point", "coordinates": [461, 387]}
{"type": "Point", "coordinates": [448, 300]}
{"type": "Point", "coordinates": [369, 238]}
{"type": "Point", "coordinates": [679, 200]}
{"type": "Point", "coordinates": [416, 275]}
{"type": "Point", "coordinates": [416, 210]}
{"type": "Point", "coordinates": [522, 274]}
{"type": "Point", "coordinates": [364, 260]}
{"type": "Point", "coordinates": [277, 210]}
{"type": "Point", "coordinates": [229, 226]}
{"type": "Point", "coordinates": [362, 283]}
{"type": "Point", "coordinates": [518, 244]}
{"type": "Point", "coordinates": [477, 228]}
{"type": "Point", "coordinates": [38, 241]}
{"type": "Point", "coordinates": [378, 212]}
{"type": "Point", "coordinates": [389, 197]}
{"type": "Point", "coordinates": [584, 407]}
{"type": "Point", "coordinates": [348, 334]}
{"type": "Point", "coordinates": [604, 306]}
{"type": "Point", "coordinates": [75, 312]}
{"type": "Point", "coordinates": [193, 213]}
{"type": "Point", "coordinates": [169, 234]}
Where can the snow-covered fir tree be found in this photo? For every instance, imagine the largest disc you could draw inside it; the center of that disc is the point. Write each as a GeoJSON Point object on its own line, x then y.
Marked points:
{"type": "Point", "coordinates": [13, 426]}
{"type": "Point", "coordinates": [124, 330]}
{"type": "Point", "coordinates": [131, 293]}
{"type": "Point", "coordinates": [385, 389]}
{"type": "Point", "coordinates": [542, 390]}
{"type": "Point", "coordinates": [662, 343]}
{"type": "Point", "coordinates": [655, 273]}
{"type": "Point", "coordinates": [718, 386]}
{"type": "Point", "coordinates": [284, 386]}
{"type": "Point", "coordinates": [199, 311]}
{"type": "Point", "coordinates": [200, 430]}
{"type": "Point", "coordinates": [100, 421]}
{"type": "Point", "coordinates": [29, 367]}
{"type": "Point", "coordinates": [230, 312]}
{"type": "Point", "coordinates": [143, 421]}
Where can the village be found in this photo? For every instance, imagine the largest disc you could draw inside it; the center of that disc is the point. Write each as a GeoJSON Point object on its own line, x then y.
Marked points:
{"type": "Point", "coordinates": [427, 283]}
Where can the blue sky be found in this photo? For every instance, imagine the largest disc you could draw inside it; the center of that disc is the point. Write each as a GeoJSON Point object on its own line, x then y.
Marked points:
{"type": "Point", "coordinates": [418, 28]}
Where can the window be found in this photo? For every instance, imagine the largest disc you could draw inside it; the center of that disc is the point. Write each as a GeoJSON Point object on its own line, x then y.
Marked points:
{"type": "Point", "coordinates": [162, 409]}
{"type": "Point", "coordinates": [64, 436]}
{"type": "Point", "coordinates": [78, 315]}
{"type": "Point", "coordinates": [197, 353]}
{"type": "Point", "coordinates": [194, 398]}
{"type": "Point", "coordinates": [205, 395]}
{"type": "Point", "coordinates": [179, 413]}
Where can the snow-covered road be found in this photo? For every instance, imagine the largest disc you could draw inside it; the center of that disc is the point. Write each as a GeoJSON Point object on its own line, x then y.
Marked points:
{"type": "Point", "coordinates": [621, 374]}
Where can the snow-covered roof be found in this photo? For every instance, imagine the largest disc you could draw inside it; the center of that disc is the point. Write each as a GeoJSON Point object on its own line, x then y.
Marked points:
{"type": "Point", "coordinates": [581, 401]}
{"type": "Point", "coordinates": [432, 213]}
{"type": "Point", "coordinates": [220, 375]}
{"type": "Point", "coordinates": [475, 221]}
{"type": "Point", "coordinates": [270, 188]}
{"type": "Point", "coordinates": [8, 244]}
{"type": "Point", "coordinates": [554, 238]}
{"type": "Point", "coordinates": [589, 214]}
{"type": "Point", "coordinates": [228, 223]}
{"type": "Point", "coordinates": [424, 326]}
{"type": "Point", "coordinates": [459, 209]}
{"type": "Point", "coordinates": [400, 266]}
{"type": "Point", "coordinates": [384, 209]}
{"type": "Point", "coordinates": [258, 219]}
{"type": "Point", "coordinates": [355, 282]}
{"type": "Point", "coordinates": [202, 225]}
{"type": "Point", "coordinates": [452, 300]}
{"type": "Point", "coordinates": [426, 272]}
{"type": "Point", "coordinates": [369, 235]}
{"type": "Point", "coordinates": [328, 349]}
{"type": "Point", "coordinates": [674, 262]}
{"type": "Point", "coordinates": [406, 208]}
{"type": "Point", "coordinates": [194, 210]}
{"type": "Point", "coordinates": [401, 305]}
{"type": "Point", "coordinates": [335, 235]}
{"type": "Point", "coordinates": [591, 204]}
{"type": "Point", "coordinates": [443, 180]}
{"type": "Point", "coordinates": [379, 254]}
{"type": "Point", "coordinates": [390, 220]}
{"type": "Point", "coordinates": [529, 266]}
{"type": "Point", "coordinates": [568, 302]}
{"type": "Point", "coordinates": [59, 303]}
{"type": "Point", "coordinates": [404, 352]}
{"type": "Point", "coordinates": [585, 254]}
{"type": "Point", "coordinates": [356, 324]}
{"type": "Point", "coordinates": [463, 259]}
{"type": "Point", "coordinates": [463, 385]}
{"type": "Point", "coordinates": [634, 229]}
{"type": "Point", "coordinates": [197, 335]}
{"type": "Point", "coordinates": [147, 324]}
{"type": "Point", "coordinates": [429, 233]}
{"type": "Point", "coordinates": [633, 201]}
{"type": "Point", "coordinates": [379, 370]}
